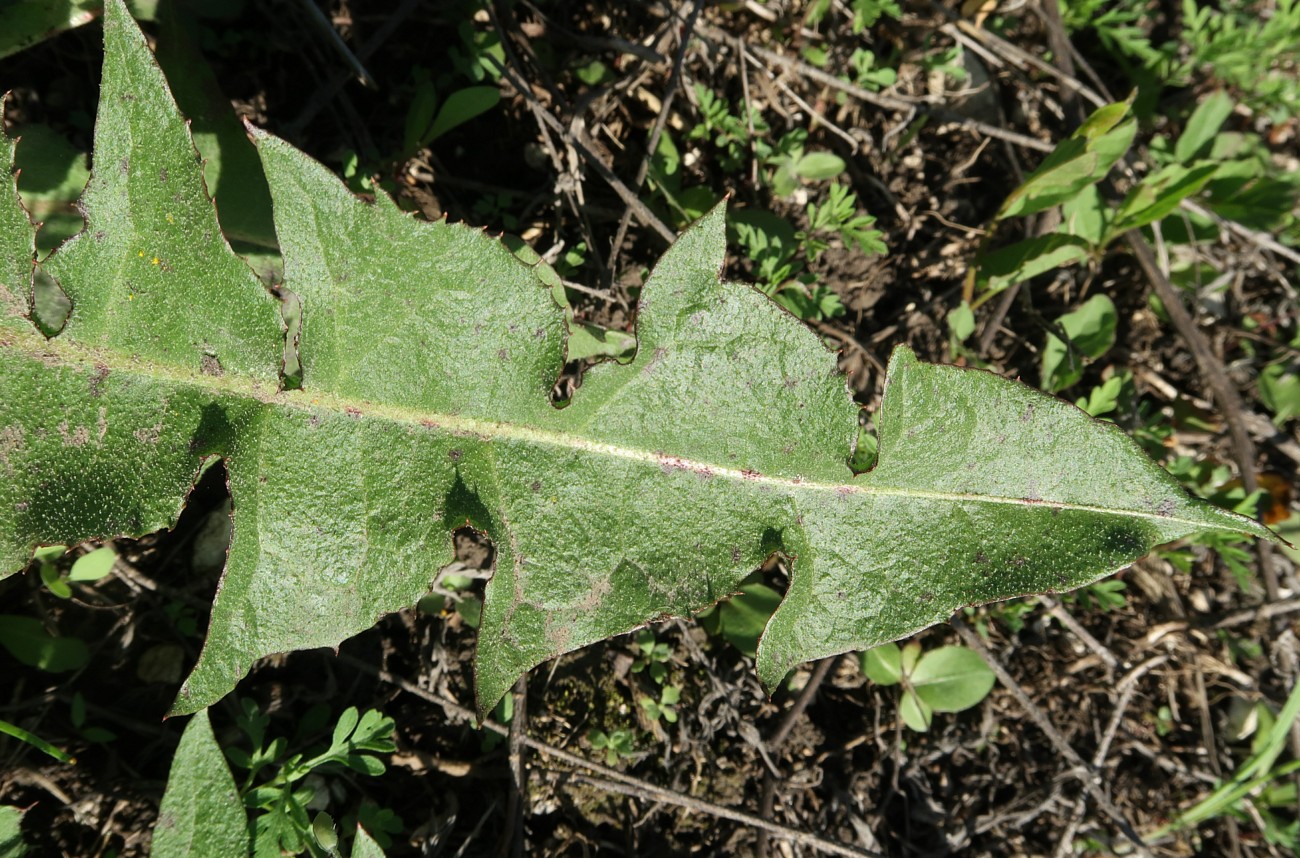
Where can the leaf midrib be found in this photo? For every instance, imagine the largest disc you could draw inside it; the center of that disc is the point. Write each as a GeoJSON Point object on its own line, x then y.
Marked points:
{"type": "Point", "coordinates": [84, 357]}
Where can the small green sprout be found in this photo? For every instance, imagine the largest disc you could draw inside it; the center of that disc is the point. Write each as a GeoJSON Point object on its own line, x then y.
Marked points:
{"type": "Point", "coordinates": [617, 745]}
{"type": "Point", "coordinates": [665, 707]}
{"type": "Point", "coordinates": [948, 679]}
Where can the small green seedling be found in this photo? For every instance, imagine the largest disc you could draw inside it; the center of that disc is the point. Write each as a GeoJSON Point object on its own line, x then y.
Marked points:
{"type": "Point", "coordinates": [593, 341]}
{"type": "Point", "coordinates": [1279, 390]}
{"type": "Point", "coordinates": [778, 254]}
{"type": "Point", "coordinates": [618, 745]}
{"type": "Point", "coordinates": [867, 74]}
{"type": "Point", "coordinates": [1013, 615]}
{"type": "Point", "coordinates": [1164, 722]}
{"type": "Point", "coordinates": [730, 134]}
{"type": "Point", "coordinates": [839, 216]}
{"type": "Point", "coordinates": [654, 656]}
{"type": "Point", "coordinates": [665, 707]}
{"type": "Point", "coordinates": [1261, 780]}
{"type": "Point", "coordinates": [948, 679]}
{"type": "Point", "coordinates": [792, 165]}
{"type": "Point", "coordinates": [283, 797]}
{"type": "Point", "coordinates": [183, 617]}
{"type": "Point", "coordinates": [1109, 396]}
{"type": "Point", "coordinates": [430, 117]}
{"type": "Point", "coordinates": [865, 12]}
{"type": "Point", "coordinates": [737, 138]}
{"type": "Point", "coordinates": [961, 327]}
{"type": "Point", "coordinates": [1104, 596]}
{"type": "Point", "coordinates": [90, 566]}
{"type": "Point", "coordinates": [451, 592]}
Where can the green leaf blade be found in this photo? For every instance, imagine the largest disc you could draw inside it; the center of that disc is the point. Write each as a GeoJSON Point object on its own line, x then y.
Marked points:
{"type": "Point", "coordinates": [29, 642]}
{"type": "Point", "coordinates": [17, 242]}
{"type": "Point", "coordinates": [767, 397]}
{"type": "Point", "coordinates": [1158, 195]}
{"type": "Point", "coordinates": [460, 107]}
{"type": "Point", "coordinates": [364, 846]}
{"type": "Point", "coordinates": [439, 317]}
{"type": "Point", "coordinates": [96, 446]}
{"type": "Point", "coordinates": [883, 665]}
{"type": "Point", "coordinates": [152, 275]}
{"type": "Point", "coordinates": [952, 678]}
{"type": "Point", "coordinates": [93, 565]}
{"type": "Point", "coordinates": [201, 814]}
{"type": "Point", "coordinates": [1091, 330]}
{"type": "Point", "coordinates": [1082, 159]}
{"type": "Point", "coordinates": [1028, 258]}
{"type": "Point", "coordinates": [984, 489]}
{"type": "Point", "coordinates": [1203, 126]}
{"type": "Point", "coordinates": [11, 835]}
{"type": "Point", "coordinates": [817, 166]}
{"type": "Point", "coordinates": [428, 352]}
{"type": "Point", "coordinates": [915, 712]}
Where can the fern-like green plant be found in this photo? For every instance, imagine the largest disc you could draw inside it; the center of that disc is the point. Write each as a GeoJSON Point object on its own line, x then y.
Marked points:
{"type": "Point", "coordinates": [427, 354]}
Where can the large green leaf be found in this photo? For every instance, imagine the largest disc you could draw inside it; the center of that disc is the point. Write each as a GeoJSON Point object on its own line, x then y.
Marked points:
{"type": "Point", "coordinates": [201, 813]}
{"type": "Point", "coordinates": [365, 846]}
{"type": "Point", "coordinates": [151, 276]}
{"type": "Point", "coordinates": [17, 246]}
{"type": "Point", "coordinates": [428, 352]}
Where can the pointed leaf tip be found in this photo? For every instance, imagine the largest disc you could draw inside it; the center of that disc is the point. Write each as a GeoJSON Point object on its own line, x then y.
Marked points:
{"type": "Point", "coordinates": [984, 489]}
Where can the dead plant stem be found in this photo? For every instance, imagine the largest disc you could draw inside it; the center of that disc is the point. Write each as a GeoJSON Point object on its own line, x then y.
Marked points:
{"type": "Point", "coordinates": [1086, 774]}
{"type": "Point", "coordinates": [779, 738]}
{"type": "Point", "coordinates": [612, 779]}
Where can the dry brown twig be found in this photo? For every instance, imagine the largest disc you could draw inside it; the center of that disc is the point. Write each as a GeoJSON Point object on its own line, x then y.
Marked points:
{"type": "Point", "coordinates": [888, 102]}
{"type": "Point", "coordinates": [576, 138]}
{"type": "Point", "coordinates": [613, 780]}
{"type": "Point", "coordinates": [1224, 392]}
{"type": "Point", "coordinates": [1057, 610]}
{"type": "Point", "coordinates": [657, 129]}
{"type": "Point", "coordinates": [779, 738]}
{"type": "Point", "coordinates": [1126, 687]}
{"type": "Point", "coordinates": [512, 842]}
{"type": "Point", "coordinates": [328, 88]}
{"type": "Point", "coordinates": [1086, 774]}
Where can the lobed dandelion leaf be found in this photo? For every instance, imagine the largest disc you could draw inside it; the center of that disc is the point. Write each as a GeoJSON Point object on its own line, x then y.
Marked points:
{"type": "Point", "coordinates": [428, 351]}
